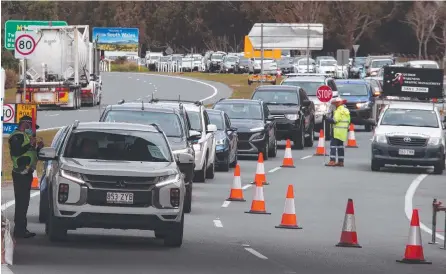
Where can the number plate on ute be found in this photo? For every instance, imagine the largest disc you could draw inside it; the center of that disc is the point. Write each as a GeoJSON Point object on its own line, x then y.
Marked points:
{"type": "Point", "coordinates": [406, 152]}
{"type": "Point", "coordinates": [119, 198]}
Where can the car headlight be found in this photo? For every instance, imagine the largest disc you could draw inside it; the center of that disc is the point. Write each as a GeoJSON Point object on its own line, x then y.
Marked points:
{"type": "Point", "coordinates": [256, 129]}
{"type": "Point", "coordinates": [292, 117]}
{"type": "Point", "coordinates": [165, 180]}
{"type": "Point", "coordinates": [220, 142]}
{"type": "Point", "coordinates": [363, 105]}
{"type": "Point", "coordinates": [434, 141]}
{"type": "Point", "coordinates": [72, 176]}
{"type": "Point", "coordinates": [380, 139]}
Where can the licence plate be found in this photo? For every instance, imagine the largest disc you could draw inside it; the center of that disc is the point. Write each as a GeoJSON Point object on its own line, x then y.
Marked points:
{"type": "Point", "coordinates": [406, 152]}
{"type": "Point", "coordinates": [119, 198]}
{"type": "Point", "coordinates": [44, 97]}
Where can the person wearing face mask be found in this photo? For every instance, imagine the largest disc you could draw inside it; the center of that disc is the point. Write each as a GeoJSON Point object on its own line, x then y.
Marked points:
{"type": "Point", "coordinates": [23, 151]}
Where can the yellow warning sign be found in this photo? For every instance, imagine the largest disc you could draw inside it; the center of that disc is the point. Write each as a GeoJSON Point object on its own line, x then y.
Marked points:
{"type": "Point", "coordinates": [251, 53]}
{"type": "Point", "coordinates": [25, 110]}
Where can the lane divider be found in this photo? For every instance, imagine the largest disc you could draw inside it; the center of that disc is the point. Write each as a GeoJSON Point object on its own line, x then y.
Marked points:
{"type": "Point", "coordinates": [247, 186]}
{"type": "Point", "coordinates": [274, 169]}
{"type": "Point", "coordinates": [226, 203]}
{"type": "Point", "coordinates": [218, 223]}
{"type": "Point", "coordinates": [306, 157]}
{"type": "Point", "coordinates": [256, 253]}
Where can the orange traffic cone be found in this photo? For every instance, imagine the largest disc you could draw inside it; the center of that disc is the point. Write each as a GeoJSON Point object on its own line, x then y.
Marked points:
{"type": "Point", "coordinates": [35, 183]}
{"type": "Point", "coordinates": [289, 218]}
{"type": "Point", "coordinates": [258, 203]}
{"type": "Point", "coordinates": [349, 238]}
{"type": "Point", "coordinates": [236, 190]}
{"type": "Point", "coordinates": [414, 249]}
{"type": "Point", "coordinates": [320, 150]}
{"type": "Point", "coordinates": [288, 158]}
{"type": "Point", "coordinates": [351, 142]}
{"type": "Point", "coordinates": [260, 178]}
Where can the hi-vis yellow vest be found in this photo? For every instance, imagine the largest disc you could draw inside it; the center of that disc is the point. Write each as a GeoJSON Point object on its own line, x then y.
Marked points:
{"type": "Point", "coordinates": [342, 122]}
{"type": "Point", "coordinates": [31, 153]}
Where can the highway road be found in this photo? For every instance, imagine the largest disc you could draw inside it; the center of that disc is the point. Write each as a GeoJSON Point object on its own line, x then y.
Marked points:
{"type": "Point", "coordinates": [221, 238]}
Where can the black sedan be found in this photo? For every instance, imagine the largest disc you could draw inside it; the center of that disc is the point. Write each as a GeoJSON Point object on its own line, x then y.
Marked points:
{"type": "Point", "coordinates": [256, 128]}
{"type": "Point", "coordinates": [226, 140]}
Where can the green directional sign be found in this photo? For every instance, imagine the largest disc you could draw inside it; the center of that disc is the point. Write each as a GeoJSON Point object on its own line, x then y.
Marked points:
{"type": "Point", "coordinates": [11, 26]}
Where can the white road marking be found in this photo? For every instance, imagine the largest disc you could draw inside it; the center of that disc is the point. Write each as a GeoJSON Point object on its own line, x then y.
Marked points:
{"type": "Point", "coordinates": [256, 253]}
{"type": "Point", "coordinates": [218, 223]}
{"type": "Point", "coordinates": [246, 187]}
{"type": "Point", "coordinates": [137, 79]}
{"type": "Point", "coordinates": [6, 270]}
{"type": "Point", "coordinates": [409, 200]}
{"type": "Point", "coordinates": [52, 115]}
{"type": "Point", "coordinates": [306, 157]}
{"type": "Point", "coordinates": [11, 203]}
{"type": "Point", "coordinates": [226, 203]}
{"type": "Point", "coordinates": [82, 110]}
{"type": "Point", "coordinates": [274, 169]}
{"type": "Point", "coordinates": [145, 81]}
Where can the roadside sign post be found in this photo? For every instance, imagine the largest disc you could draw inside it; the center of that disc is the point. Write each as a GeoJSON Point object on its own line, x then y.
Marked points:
{"type": "Point", "coordinates": [2, 95]}
{"type": "Point", "coordinates": [342, 56]}
{"type": "Point", "coordinates": [355, 49]}
{"type": "Point", "coordinates": [324, 94]}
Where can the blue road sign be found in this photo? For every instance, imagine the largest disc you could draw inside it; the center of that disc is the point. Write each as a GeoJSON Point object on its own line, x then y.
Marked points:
{"type": "Point", "coordinates": [9, 128]}
{"type": "Point", "coordinates": [116, 39]}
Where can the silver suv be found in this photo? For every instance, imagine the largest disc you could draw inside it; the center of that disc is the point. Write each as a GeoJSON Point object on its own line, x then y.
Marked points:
{"type": "Point", "coordinates": [204, 133]}
{"type": "Point", "coordinates": [115, 176]}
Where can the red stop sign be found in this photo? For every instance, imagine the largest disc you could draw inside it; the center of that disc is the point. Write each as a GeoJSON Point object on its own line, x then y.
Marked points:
{"type": "Point", "coordinates": [324, 94]}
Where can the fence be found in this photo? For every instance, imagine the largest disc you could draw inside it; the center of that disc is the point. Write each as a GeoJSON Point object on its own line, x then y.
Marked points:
{"type": "Point", "coordinates": [170, 67]}
{"type": "Point", "coordinates": [105, 65]}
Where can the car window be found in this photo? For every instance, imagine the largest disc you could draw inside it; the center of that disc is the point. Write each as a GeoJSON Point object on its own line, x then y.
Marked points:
{"type": "Point", "coordinates": [217, 120]}
{"type": "Point", "coordinates": [169, 122]}
{"type": "Point", "coordinates": [308, 86]}
{"type": "Point", "coordinates": [276, 96]}
{"type": "Point", "coordinates": [231, 59]}
{"type": "Point", "coordinates": [381, 63]}
{"type": "Point", "coordinates": [241, 110]}
{"type": "Point", "coordinates": [352, 89]}
{"type": "Point", "coordinates": [195, 121]}
{"type": "Point", "coordinates": [410, 117]}
{"type": "Point", "coordinates": [118, 145]}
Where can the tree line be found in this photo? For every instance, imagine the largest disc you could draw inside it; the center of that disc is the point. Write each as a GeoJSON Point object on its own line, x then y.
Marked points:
{"type": "Point", "coordinates": [378, 27]}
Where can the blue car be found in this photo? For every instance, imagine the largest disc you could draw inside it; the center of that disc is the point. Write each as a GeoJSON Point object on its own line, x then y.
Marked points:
{"type": "Point", "coordinates": [360, 100]}
{"type": "Point", "coordinates": [226, 140]}
{"type": "Point", "coordinates": [44, 204]}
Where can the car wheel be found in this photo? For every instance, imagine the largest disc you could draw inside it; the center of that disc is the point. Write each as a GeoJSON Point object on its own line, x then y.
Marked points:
{"type": "Point", "coordinates": [368, 128]}
{"type": "Point", "coordinates": [159, 234]}
{"type": "Point", "coordinates": [54, 228]}
{"type": "Point", "coordinates": [309, 141]}
{"type": "Point", "coordinates": [174, 237]}
{"type": "Point", "coordinates": [299, 141]}
{"type": "Point", "coordinates": [200, 176]}
{"type": "Point", "coordinates": [266, 151]}
{"type": "Point", "coordinates": [225, 165]}
{"type": "Point", "coordinates": [273, 150]}
{"type": "Point", "coordinates": [43, 207]}
{"type": "Point", "coordinates": [439, 167]}
{"type": "Point", "coordinates": [210, 173]}
{"type": "Point", "coordinates": [376, 165]}
{"type": "Point", "coordinates": [188, 199]}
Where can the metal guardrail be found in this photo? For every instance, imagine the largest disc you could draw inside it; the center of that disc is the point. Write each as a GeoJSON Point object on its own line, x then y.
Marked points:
{"type": "Point", "coordinates": [436, 207]}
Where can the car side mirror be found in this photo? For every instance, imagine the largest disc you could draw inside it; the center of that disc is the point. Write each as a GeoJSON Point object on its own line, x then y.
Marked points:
{"type": "Point", "coordinates": [184, 158]}
{"type": "Point", "coordinates": [194, 135]}
{"type": "Point", "coordinates": [232, 129]}
{"type": "Point", "coordinates": [212, 128]}
{"type": "Point", "coordinates": [306, 103]}
{"type": "Point", "coordinates": [47, 154]}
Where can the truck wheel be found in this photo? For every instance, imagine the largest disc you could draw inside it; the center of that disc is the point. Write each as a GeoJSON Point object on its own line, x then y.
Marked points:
{"type": "Point", "coordinates": [439, 167]}
{"type": "Point", "coordinates": [174, 237]}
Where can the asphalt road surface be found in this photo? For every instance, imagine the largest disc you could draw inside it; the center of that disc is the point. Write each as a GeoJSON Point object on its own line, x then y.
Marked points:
{"type": "Point", "coordinates": [221, 238]}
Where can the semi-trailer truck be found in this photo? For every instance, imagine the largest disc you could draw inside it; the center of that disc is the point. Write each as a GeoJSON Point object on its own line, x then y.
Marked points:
{"type": "Point", "coordinates": [63, 71]}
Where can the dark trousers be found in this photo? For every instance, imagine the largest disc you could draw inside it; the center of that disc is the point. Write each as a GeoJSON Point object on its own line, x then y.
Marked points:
{"type": "Point", "coordinates": [336, 147]}
{"type": "Point", "coordinates": [22, 191]}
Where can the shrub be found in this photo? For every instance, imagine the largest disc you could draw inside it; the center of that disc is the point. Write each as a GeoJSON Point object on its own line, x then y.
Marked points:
{"type": "Point", "coordinates": [127, 67]}
{"type": "Point", "coordinates": [11, 78]}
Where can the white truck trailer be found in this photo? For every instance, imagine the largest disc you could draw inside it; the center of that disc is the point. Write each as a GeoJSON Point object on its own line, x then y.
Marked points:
{"type": "Point", "coordinates": [63, 70]}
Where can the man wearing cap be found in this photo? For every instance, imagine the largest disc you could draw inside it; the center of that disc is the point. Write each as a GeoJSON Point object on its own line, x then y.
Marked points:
{"type": "Point", "coordinates": [23, 150]}
{"type": "Point", "coordinates": [341, 122]}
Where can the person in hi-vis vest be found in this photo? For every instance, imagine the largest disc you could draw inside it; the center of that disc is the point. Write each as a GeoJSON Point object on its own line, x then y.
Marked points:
{"type": "Point", "coordinates": [340, 122]}
{"type": "Point", "coordinates": [23, 150]}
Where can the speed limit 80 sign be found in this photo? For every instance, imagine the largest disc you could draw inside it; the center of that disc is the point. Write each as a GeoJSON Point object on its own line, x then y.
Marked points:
{"type": "Point", "coordinates": [25, 44]}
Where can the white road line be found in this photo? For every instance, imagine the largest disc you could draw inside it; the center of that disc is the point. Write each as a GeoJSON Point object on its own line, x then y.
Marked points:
{"type": "Point", "coordinates": [6, 270]}
{"type": "Point", "coordinates": [226, 203]}
{"type": "Point", "coordinates": [139, 99]}
{"type": "Point", "coordinates": [137, 79]}
{"type": "Point", "coordinates": [11, 203]}
{"type": "Point", "coordinates": [306, 157]}
{"type": "Point", "coordinates": [256, 253]}
{"type": "Point", "coordinates": [52, 115]}
{"type": "Point", "coordinates": [274, 169]}
{"type": "Point", "coordinates": [408, 207]}
{"type": "Point", "coordinates": [218, 223]}
{"type": "Point", "coordinates": [246, 187]}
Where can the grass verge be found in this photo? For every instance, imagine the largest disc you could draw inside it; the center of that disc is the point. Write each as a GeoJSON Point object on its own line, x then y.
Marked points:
{"type": "Point", "coordinates": [47, 137]}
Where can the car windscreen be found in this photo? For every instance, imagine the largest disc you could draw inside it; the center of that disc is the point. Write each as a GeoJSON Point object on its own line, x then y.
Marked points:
{"type": "Point", "coordinates": [352, 89]}
{"type": "Point", "coordinates": [195, 120]}
{"type": "Point", "coordinates": [277, 96]}
{"type": "Point", "coordinates": [327, 63]}
{"type": "Point", "coordinates": [381, 63]}
{"type": "Point", "coordinates": [231, 59]}
{"type": "Point", "coordinates": [118, 145]}
{"type": "Point", "coordinates": [169, 122]}
{"type": "Point", "coordinates": [217, 120]}
{"type": "Point", "coordinates": [241, 110]}
{"type": "Point", "coordinates": [309, 87]}
{"type": "Point", "coordinates": [216, 57]}
{"type": "Point", "coordinates": [244, 61]}
{"type": "Point", "coordinates": [285, 61]}
{"type": "Point", "coordinates": [359, 61]}
{"type": "Point", "coordinates": [303, 61]}
{"type": "Point", "coordinates": [410, 118]}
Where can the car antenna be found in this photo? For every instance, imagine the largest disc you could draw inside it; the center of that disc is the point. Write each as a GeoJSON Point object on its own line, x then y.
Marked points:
{"type": "Point", "coordinates": [142, 104]}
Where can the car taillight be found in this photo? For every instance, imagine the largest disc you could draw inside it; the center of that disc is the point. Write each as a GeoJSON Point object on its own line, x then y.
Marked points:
{"type": "Point", "coordinates": [175, 197]}
{"type": "Point", "coordinates": [28, 96]}
{"type": "Point", "coordinates": [86, 91]}
{"type": "Point", "coordinates": [63, 193]}
{"type": "Point", "coordinates": [62, 94]}
{"type": "Point", "coordinates": [62, 89]}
